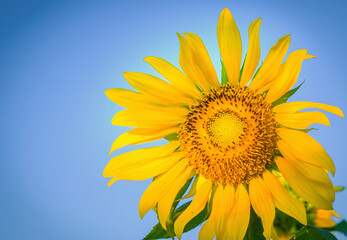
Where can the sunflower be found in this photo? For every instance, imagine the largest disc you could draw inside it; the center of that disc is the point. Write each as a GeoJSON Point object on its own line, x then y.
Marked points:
{"type": "Point", "coordinates": [323, 218]}
{"type": "Point", "coordinates": [231, 139]}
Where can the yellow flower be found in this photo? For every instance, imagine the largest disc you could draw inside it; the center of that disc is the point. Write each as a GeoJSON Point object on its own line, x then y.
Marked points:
{"type": "Point", "coordinates": [230, 137]}
{"type": "Point", "coordinates": [323, 218]}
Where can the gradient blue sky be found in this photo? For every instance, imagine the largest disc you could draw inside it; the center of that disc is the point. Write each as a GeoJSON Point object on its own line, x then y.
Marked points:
{"type": "Point", "coordinates": [58, 57]}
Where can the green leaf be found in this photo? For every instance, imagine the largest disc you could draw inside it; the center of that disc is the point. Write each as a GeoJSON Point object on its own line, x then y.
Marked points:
{"type": "Point", "coordinates": [255, 228]}
{"type": "Point", "coordinates": [312, 233]}
{"type": "Point", "coordinates": [170, 220]}
{"type": "Point", "coordinates": [172, 137]}
{"type": "Point", "coordinates": [285, 97]}
{"type": "Point", "coordinates": [197, 220]}
{"type": "Point", "coordinates": [181, 192]}
{"type": "Point", "coordinates": [340, 227]}
{"type": "Point", "coordinates": [225, 79]}
{"type": "Point", "coordinates": [158, 231]}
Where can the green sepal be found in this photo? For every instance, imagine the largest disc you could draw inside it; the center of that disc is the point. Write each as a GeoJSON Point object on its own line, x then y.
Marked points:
{"type": "Point", "coordinates": [285, 97]}
{"type": "Point", "coordinates": [256, 72]}
{"type": "Point", "coordinates": [225, 79]}
{"type": "Point", "coordinates": [307, 130]}
{"type": "Point", "coordinates": [310, 232]}
{"type": "Point", "coordinates": [255, 228]}
{"type": "Point", "coordinates": [285, 224]}
{"type": "Point", "coordinates": [340, 227]}
{"type": "Point", "coordinates": [181, 192]}
{"type": "Point", "coordinates": [241, 71]}
{"type": "Point", "coordinates": [159, 232]}
{"type": "Point", "coordinates": [172, 137]}
{"type": "Point", "coordinates": [170, 220]}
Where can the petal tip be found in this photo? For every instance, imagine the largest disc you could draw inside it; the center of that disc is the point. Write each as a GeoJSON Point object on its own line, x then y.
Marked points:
{"type": "Point", "coordinates": [126, 74]}
{"type": "Point", "coordinates": [308, 56]}
{"type": "Point", "coordinates": [148, 59]}
{"type": "Point", "coordinates": [258, 21]}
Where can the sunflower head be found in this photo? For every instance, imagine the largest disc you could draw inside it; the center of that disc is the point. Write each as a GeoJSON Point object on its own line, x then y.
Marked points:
{"type": "Point", "coordinates": [229, 136]}
{"type": "Point", "coordinates": [234, 140]}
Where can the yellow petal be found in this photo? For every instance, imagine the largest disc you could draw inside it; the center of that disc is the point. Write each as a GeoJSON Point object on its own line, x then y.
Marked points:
{"type": "Point", "coordinates": [127, 98]}
{"type": "Point", "coordinates": [216, 223]}
{"type": "Point", "coordinates": [193, 189]}
{"type": "Point", "coordinates": [207, 231]}
{"type": "Point", "coordinates": [194, 208]}
{"type": "Point", "coordinates": [141, 170]}
{"type": "Point", "coordinates": [304, 147]}
{"type": "Point", "coordinates": [272, 63]}
{"type": "Point", "coordinates": [196, 185]}
{"type": "Point", "coordinates": [283, 200]}
{"type": "Point", "coordinates": [262, 203]}
{"type": "Point", "coordinates": [301, 184]}
{"type": "Point", "coordinates": [238, 218]}
{"type": "Point", "coordinates": [141, 135]}
{"type": "Point", "coordinates": [253, 53]}
{"type": "Point", "coordinates": [288, 77]}
{"type": "Point", "coordinates": [326, 190]}
{"type": "Point", "coordinates": [202, 59]}
{"type": "Point", "coordinates": [155, 87]}
{"type": "Point", "coordinates": [123, 160]}
{"type": "Point", "coordinates": [230, 46]}
{"type": "Point", "coordinates": [323, 218]}
{"type": "Point", "coordinates": [165, 204]}
{"type": "Point", "coordinates": [293, 107]}
{"type": "Point", "coordinates": [221, 202]}
{"type": "Point", "coordinates": [131, 161]}
{"type": "Point", "coordinates": [175, 76]}
{"type": "Point", "coordinates": [189, 66]}
{"type": "Point", "coordinates": [318, 177]}
{"type": "Point", "coordinates": [150, 117]}
{"type": "Point", "coordinates": [301, 120]}
{"type": "Point", "coordinates": [160, 187]}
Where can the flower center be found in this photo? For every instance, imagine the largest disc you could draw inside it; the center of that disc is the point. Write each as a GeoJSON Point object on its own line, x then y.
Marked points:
{"type": "Point", "coordinates": [229, 136]}
{"type": "Point", "coordinates": [225, 128]}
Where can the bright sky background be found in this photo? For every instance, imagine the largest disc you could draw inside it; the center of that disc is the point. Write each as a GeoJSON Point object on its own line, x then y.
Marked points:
{"type": "Point", "coordinates": [58, 57]}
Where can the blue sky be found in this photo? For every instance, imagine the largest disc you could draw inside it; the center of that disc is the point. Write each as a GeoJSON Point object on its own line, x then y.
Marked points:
{"type": "Point", "coordinates": [58, 57]}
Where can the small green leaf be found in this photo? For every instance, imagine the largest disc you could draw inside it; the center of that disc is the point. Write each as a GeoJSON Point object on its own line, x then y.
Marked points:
{"type": "Point", "coordinates": [225, 79]}
{"type": "Point", "coordinates": [312, 233]}
{"type": "Point", "coordinates": [340, 227]}
{"type": "Point", "coordinates": [172, 137]}
{"type": "Point", "coordinates": [158, 231]}
{"type": "Point", "coordinates": [285, 97]}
